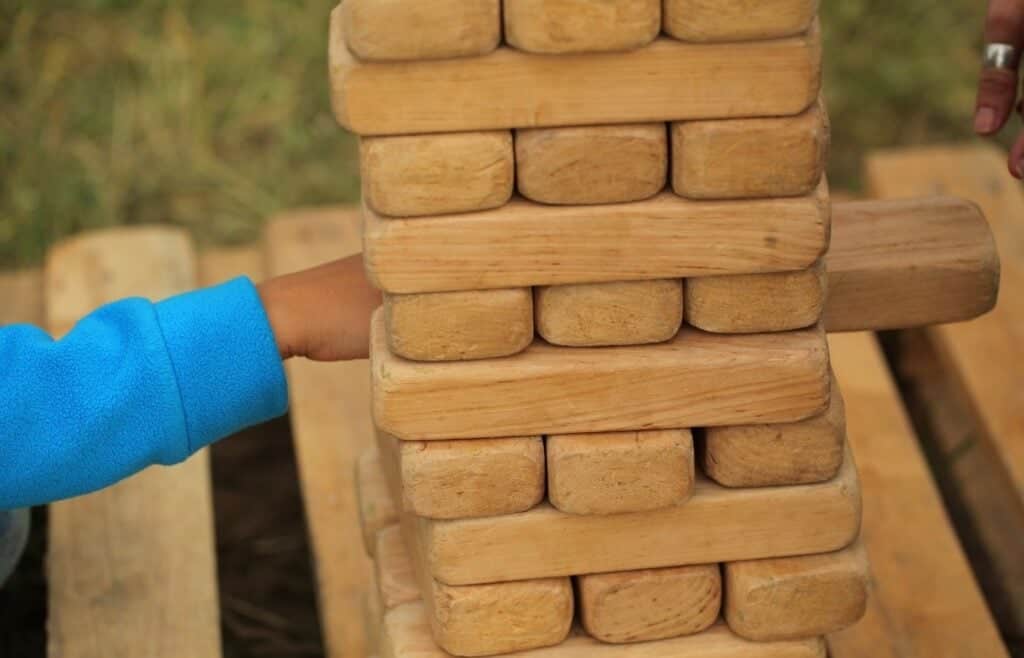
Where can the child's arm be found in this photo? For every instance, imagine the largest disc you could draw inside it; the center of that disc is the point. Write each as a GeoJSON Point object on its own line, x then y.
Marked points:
{"type": "Point", "coordinates": [137, 383]}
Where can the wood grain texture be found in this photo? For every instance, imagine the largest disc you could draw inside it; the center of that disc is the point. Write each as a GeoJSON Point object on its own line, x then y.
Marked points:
{"type": "Point", "coordinates": [608, 314]}
{"type": "Point", "coordinates": [407, 635]}
{"type": "Point", "coordinates": [735, 524]}
{"type": "Point", "coordinates": [750, 158]}
{"type": "Point", "coordinates": [581, 26]}
{"type": "Point", "coordinates": [112, 602]}
{"type": "Point", "coordinates": [592, 164]}
{"type": "Point", "coordinates": [459, 326]}
{"type": "Point", "coordinates": [21, 293]}
{"type": "Point", "coordinates": [696, 380]}
{"type": "Point", "coordinates": [475, 477]}
{"type": "Point", "coordinates": [527, 244]}
{"type": "Point", "coordinates": [665, 81]}
{"type": "Point", "coordinates": [376, 511]}
{"type": "Point", "coordinates": [651, 604]}
{"type": "Point", "coordinates": [795, 597]}
{"type": "Point", "coordinates": [413, 30]}
{"type": "Point", "coordinates": [924, 600]}
{"type": "Point", "coordinates": [737, 20]}
{"type": "Point", "coordinates": [417, 175]}
{"type": "Point", "coordinates": [756, 303]}
{"type": "Point", "coordinates": [620, 472]}
{"type": "Point", "coordinates": [330, 429]}
{"type": "Point", "coordinates": [804, 452]}
{"type": "Point", "coordinates": [396, 575]}
{"type": "Point", "coordinates": [910, 262]}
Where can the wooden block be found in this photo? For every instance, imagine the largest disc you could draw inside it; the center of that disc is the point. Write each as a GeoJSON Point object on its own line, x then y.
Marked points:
{"type": "Point", "coordinates": [696, 380]}
{"type": "Point", "coordinates": [22, 292]}
{"type": "Point", "coordinates": [527, 244]}
{"type": "Point", "coordinates": [417, 175]}
{"type": "Point", "coordinates": [910, 262]}
{"type": "Point", "coordinates": [620, 472]}
{"type": "Point", "coordinates": [459, 326]}
{"type": "Point", "coordinates": [414, 30]}
{"type": "Point", "coordinates": [581, 26]}
{"type": "Point", "coordinates": [750, 158]}
{"type": "Point", "coordinates": [592, 164]}
{"type": "Point", "coordinates": [376, 511]}
{"type": "Point", "coordinates": [737, 20]}
{"type": "Point", "coordinates": [665, 81]}
{"type": "Point", "coordinates": [396, 576]}
{"type": "Point", "coordinates": [734, 524]}
{"type": "Point", "coordinates": [407, 635]}
{"type": "Point", "coordinates": [652, 604]}
{"type": "Point", "coordinates": [756, 303]}
{"type": "Point", "coordinates": [604, 314]}
{"type": "Point", "coordinates": [796, 597]}
{"type": "Point", "coordinates": [804, 452]}
{"type": "Point", "coordinates": [478, 477]}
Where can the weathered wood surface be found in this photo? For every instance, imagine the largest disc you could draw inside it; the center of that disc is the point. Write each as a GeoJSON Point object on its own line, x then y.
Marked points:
{"type": "Point", "coordinates": [580, 26]}
{"type": "Point", "coordinates": [376, 510]}
{"type": "Point", "coordinates": [393, 567]}
{"type": "Point", "coordinates": [737, 20]}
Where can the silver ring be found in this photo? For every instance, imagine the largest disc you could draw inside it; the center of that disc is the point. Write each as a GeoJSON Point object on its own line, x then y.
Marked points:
{"type": "Point", "coordinates": [1001, 56]}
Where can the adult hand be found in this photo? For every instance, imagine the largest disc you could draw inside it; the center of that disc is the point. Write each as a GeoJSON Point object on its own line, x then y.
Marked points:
{"type": "Point", "coordinates": [997, 91]}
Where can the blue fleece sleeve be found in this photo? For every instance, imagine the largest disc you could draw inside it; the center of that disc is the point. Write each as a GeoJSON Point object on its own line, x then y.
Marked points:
{"type": "Point", "coordinates": [133, 384]}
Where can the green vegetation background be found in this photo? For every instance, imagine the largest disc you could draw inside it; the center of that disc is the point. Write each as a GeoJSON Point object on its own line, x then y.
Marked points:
{"type": "Point", "coordinates": [214, 115]}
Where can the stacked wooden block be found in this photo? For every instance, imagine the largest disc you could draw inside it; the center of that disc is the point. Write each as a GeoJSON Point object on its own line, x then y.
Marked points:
{"type": "Point", "coordinates": [600, 377]}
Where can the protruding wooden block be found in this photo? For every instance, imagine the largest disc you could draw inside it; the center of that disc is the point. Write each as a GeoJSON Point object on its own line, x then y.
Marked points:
{"type": "Point", "coordinates": [805, 452]}
{"type": "Point", "coordinates": [604, 314]}
{"type": "Point", "coordinates": [418, 175]}
{"type": "Point", "coordinates": [459, 326]}
{"type": "Point", "coordinates": [737, 20]}
{"type": "Point", "coordinates": [416, 30]}
{"type": "Point", "coordinates": [716, 524]}
{"type": "Point", "coordinates": [620, 472]}
{"type": "Point", "coordinates": [528, 244]}
{"type": "Point", "coordinates": [652, 604]}
{"type": "Point", "coordinates": [664, 81]}
{"type": "Point", "coordinates": [696, 380]}
{"type": "Point", "coordinates": [757, 303]}
{"type": "Point", "coordinates": [474, 477]}
{"type": "Point", "coordinates": [795, 597]}
{"type": "Point", "coordinates": [592, 164]}
{"type": "Point", "coordinates": [580, 26]}
{"type": "Point", "coordinates": [750, 158]}
{"type": "Point", "coordinates": [395, 574]}
{"type": "Point", "coordinates": [376, 511]}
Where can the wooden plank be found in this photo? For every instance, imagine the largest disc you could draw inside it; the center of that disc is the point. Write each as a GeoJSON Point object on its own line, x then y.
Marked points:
{"type": "Point", "coordinates": [983, 365]}
{"type": "Point", "coordinates": [477, 477]}
{"type": "Point", "coordinates": [753, 303]}
{"type": "Point", "coordinates": [737, 20]}
{"type": "Point", "coordinates": [924, 601]}
{"type": "Point", "coordinates": [411, 29]}
{"type": "Point", "coordinates": [105, 596]}
{"type": "Point", "coordinates": [580, 26]}
{"type": "Point", "coordinates": [652, 604]}
{"type": "Point", "coordinates": [582, 165]}
{"type": "Point", "coordinates": [417, 175]}
{"type": "Point", "coordinates": [607, 314]}
{"type": "Point", "coordinates": [717, 524]}
{"type": "Point", "coordinates": [795, 597]}
{"type": "Point", "coordinates": [620, 472]}
{"type": "Point", "coordinates": [664, 81]}
{"type": "Point", "coordinates": [696, 380]}
{"type": "Point", "coordinates": [665, 237]}
{"type": "Point", "coordinates": [459, 326]}
{"type": "Point", "coordinates": [527, 244]}
{"type": "Point", "coordinates": [396, 575]}
{"type": "Point", "coordinates": [331, 429]}
{"type": "Point", "coordinates": [804, 452]}
{"type": "Point", "coordinates": [22, 295]}
{"type": "Point", "coordinates": [749, 158]}
{"type": "Point", "coordinates": [376, 510]}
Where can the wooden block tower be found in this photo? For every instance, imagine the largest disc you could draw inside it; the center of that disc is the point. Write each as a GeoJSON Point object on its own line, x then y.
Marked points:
{"type": "Point", "coordinates": [600, 376]}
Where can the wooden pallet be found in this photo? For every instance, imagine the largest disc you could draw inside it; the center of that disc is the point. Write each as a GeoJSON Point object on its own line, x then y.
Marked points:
{"type": "Point", "coordinates": [925, 600]}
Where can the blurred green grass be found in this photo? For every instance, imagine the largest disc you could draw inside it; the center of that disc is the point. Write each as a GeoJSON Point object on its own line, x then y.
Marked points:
{"type": "Point", "coordinates": [215, 115]}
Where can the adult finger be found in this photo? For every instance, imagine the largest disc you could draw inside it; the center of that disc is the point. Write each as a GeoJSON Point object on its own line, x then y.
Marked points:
{"type": "Point", "coordinates": [998, 87]}
{"type": "Point", "coordinates": [1017, 158]}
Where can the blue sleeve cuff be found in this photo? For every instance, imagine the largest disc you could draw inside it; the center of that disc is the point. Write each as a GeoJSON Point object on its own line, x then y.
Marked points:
{"type": "Point", "coordinates": [225, 359]}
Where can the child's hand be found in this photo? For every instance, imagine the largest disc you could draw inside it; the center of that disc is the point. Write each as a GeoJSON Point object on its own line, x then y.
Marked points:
{"type": "Point", "coordinates": [322, 314]}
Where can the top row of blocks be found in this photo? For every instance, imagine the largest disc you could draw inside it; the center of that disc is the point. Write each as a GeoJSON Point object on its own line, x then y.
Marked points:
{"type": "Point", "coordinates": [390, 30]}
